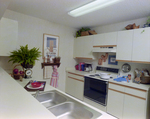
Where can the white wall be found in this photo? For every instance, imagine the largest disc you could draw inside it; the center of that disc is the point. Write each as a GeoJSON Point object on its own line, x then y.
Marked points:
{"type": "Point", "coordinates": [30, 31]}
{"type": "Point", "coordinates": [118, 27]}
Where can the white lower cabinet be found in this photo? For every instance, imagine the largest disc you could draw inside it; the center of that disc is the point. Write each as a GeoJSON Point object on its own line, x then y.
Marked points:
{"type": "Point", "coordinates": [115, 103]}
{"type": "Point", "coordinates": [127, 105]}
{"type": "Point", "coordinates": [75, 85]}
{"type": "Point", "coordinates": [134, 108]}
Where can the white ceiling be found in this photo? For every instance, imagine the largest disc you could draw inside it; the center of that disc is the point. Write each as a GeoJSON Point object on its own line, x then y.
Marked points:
{"type": "Point", "coordinates": [57, 11]}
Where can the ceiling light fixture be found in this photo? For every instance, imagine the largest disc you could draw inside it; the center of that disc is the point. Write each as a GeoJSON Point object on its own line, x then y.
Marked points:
{"type": "Point", "coordinates": [92, 6]}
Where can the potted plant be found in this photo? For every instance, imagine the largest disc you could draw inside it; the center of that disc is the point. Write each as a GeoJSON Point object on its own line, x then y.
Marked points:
{"type": "Point", "coordinates": [24, 56]}
{"type": "Point", "coordinates": [78, 33]}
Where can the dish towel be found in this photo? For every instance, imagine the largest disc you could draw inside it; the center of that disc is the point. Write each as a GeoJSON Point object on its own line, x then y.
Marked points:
{"type": "Point", "coordinates": [123, 78]}
{"type": "Point", "coordinates": [55, 76]}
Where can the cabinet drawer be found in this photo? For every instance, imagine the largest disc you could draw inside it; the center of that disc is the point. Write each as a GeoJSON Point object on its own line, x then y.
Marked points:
{"type": "Point", "coordinates": [75, 76]}
{"type": "Point", "coordinates": [135, 92]}
{"type": "Point", "coordinates": [116, 87]}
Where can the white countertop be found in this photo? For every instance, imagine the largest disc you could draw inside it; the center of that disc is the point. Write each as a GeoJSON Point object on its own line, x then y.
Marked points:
{"type": "Point", "coordinates": [131, 84]}
{"type": "Point", "coordinates": [17, 103]}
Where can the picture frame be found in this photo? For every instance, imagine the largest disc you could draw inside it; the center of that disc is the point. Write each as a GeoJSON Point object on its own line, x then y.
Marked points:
{"type": "Point", "coordinates": [112, 60]}
{"type": "Point", "coordinates": [50, 45]}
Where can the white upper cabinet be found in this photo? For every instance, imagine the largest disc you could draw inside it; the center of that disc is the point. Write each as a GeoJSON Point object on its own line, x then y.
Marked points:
{"type": "Point", "coordinates": [105, 39]}
{"type": "Point", "coordinates": [98, 39]}
{"type": "Point", "coordinates": [124, 45]}
{"type": "Point", "coordinates": [141, 45]}
{"type": "Point", "coordinates": [78, 47]}
{"type": "Point", "coordinates": [8, 36]}
{"type": "Point", "coordinates": [83, 47]}
{"type": "Point", "coordinates": [134, 45]}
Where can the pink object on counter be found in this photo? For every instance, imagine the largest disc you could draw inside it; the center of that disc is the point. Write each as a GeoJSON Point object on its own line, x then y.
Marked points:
{"type": "Point", "coordinates": [36, 84]}
{"type": "Point", "coordinates": [80, 66]}
{"type": "Point", "coordinates": [77, 67]}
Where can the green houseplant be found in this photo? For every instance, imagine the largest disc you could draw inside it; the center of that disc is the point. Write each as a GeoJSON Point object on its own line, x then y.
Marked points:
{"type": "Point", "coordinates": [24, 56]}
{"type": "Point", "coordinates": [78, 33]}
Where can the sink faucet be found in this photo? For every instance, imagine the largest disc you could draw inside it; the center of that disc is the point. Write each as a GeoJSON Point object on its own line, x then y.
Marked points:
{"type": "Point", "coordinates": [36, 94]}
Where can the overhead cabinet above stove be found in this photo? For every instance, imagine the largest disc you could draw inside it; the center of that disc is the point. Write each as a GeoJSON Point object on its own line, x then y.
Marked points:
{"type": "Point", "coordinates": [105, 40]}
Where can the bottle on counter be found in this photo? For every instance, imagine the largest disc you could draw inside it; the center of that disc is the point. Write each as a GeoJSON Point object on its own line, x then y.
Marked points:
{"type": "Point", "coordinates": [129, 76]}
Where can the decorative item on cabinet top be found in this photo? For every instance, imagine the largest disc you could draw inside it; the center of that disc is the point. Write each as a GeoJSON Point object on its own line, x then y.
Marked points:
{"type": "Point", "coordinates": [85, 32]}
{"type": "Point", "coordinates": [147, 22]}
{"type": "Point", "coordinates": [132, 26]}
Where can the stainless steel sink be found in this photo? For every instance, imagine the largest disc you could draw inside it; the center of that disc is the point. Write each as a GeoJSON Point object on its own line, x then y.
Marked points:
{"type": "Point", "coordinates": [51, 98]}
{"type": "Point", "coordinates": [71, 110]}
{"type": "Point", "coordinates": [64, 107]}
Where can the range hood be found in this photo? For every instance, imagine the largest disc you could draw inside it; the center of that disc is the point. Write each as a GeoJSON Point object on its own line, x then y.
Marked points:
{"type": "Point", "coordinates": [104, 48]}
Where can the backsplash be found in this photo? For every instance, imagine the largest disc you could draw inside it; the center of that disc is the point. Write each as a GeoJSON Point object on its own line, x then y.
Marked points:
{"type": "Point", "coordinates": [119, 65]}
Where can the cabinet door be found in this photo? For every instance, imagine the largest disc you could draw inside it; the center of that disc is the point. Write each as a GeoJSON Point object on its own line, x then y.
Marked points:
{"type": "Point", "coordinates": [124, 45]}
{"type": "Point", "coordinates": [88, 46]}
{"type": "Point", "coordinates": [110, 38]}
{"type": "Point", "coordinates": [83, 47]}
{"type": "Point", "coordinates": [134, 108]}
{"type": "Point", "coordinates": [115, 103]}
{"type": "Point", "coordinates": [141, 45]}
{"type": "Point", "coordinates": [79, 47]}
{"type": "Point", "coordinates": [98, 39]}
{"type": "Point", "coordinates": [8, 36]}
{"type": "Point", "coordinates": [75, 87]}
{"type": "Point", "coordinates": [105, 39]}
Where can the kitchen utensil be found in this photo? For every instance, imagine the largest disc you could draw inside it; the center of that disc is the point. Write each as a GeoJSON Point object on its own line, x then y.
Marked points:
{"type": "Point", "coordinates": [104, 75]}
{"type": "Point", "coordinates": [126, 68]}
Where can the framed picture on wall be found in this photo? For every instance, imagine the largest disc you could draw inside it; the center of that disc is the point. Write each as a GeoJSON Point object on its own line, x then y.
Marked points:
{"type": "Point", "coordinates": [50, 45]}
{"type": "Point", "coordinates": [112, 60]}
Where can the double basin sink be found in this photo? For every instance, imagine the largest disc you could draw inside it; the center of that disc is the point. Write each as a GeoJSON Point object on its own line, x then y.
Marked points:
{"type": "Point", "coordinates": [64, 107]}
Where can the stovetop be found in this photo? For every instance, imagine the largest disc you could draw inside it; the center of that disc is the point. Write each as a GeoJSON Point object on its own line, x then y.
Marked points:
{"type": "Point", "coordinates": [113, 72]}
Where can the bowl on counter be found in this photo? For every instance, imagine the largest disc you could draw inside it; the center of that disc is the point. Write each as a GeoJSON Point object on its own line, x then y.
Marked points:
{"type": "Point", "coordinates": [36, 84]}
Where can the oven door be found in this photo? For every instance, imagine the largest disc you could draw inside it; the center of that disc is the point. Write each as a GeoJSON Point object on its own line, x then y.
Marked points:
{"type": "Point", "coordinates": [96, 90]}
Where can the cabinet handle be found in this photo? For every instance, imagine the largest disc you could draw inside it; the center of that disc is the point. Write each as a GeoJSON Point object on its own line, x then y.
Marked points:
{"type": "Point", "coordinates": [76, 74]}
{"type": "Point", "coordinates": [129, 87]}
{"type": "Point", "coordinates": [127, 94]}
{"type": "Point", "coordinates": [75, 79]}
{"type": "Point", "coordinates": [105, 46]}
{"type": "Point", "coordinates": [83, 58]}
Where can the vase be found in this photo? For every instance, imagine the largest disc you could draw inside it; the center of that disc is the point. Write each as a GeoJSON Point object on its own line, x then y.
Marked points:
{"type": "Point", "coordinates": [27, 65]}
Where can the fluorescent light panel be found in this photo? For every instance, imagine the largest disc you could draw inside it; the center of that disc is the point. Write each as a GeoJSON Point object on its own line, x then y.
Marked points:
{"type": "Point", "coordinates": [93, 6]}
